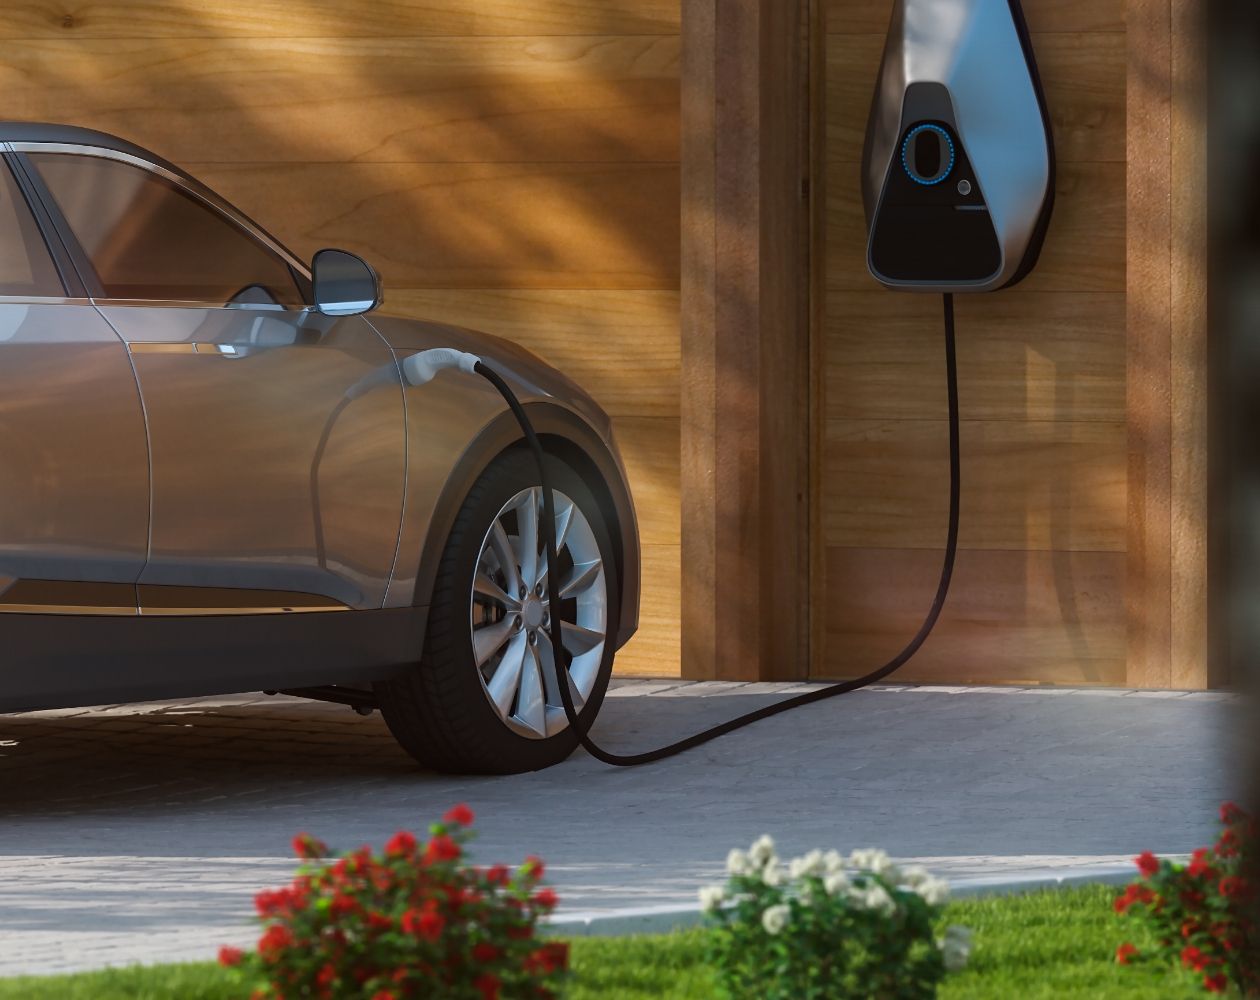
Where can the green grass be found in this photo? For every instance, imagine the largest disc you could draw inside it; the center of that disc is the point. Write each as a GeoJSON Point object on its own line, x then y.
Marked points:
{"type": "Point", "coordinates": [1044, 945]}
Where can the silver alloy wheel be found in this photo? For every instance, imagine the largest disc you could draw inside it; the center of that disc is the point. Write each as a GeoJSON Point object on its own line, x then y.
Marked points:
{"type": "Point", "coordinates": [509, 613]}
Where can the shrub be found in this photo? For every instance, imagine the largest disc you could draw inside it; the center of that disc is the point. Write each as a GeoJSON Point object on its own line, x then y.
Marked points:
{"type": "Point", "coordinates": [1201, 914]}
{"type": "Point", "coordinates": [413, 921]}
{"type": "Point", "coordinates": [828, 927]}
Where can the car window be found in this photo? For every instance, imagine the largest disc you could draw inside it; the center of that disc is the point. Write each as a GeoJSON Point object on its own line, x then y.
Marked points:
{"type": "Point", "coordinates": [148, 238]}
{"type": "Point", "coordinates": [26, 267]}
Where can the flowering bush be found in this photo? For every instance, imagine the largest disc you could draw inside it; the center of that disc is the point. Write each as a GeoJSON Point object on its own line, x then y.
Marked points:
{"type": "Point", "coordinates": [1201, 913]}
{"type": "Point", "coordinates": [414, 921]}
{"type": "Point", "coordinates": [824, 926]}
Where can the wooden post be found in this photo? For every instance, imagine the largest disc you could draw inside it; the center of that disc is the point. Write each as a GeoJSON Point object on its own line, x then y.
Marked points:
{"type": "Point", "coordinates": [1167, 357]}
{"type": "Point", "coordinates": [745, 339]}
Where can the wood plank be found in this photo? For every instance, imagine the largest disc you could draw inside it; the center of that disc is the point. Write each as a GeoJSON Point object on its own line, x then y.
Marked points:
{"type": "Point", "coordinates": [1149, 258]}
{"type": "Point", "coordinates": [269, 98]}
{"type": "Point", "coordinates": [1195, 664]}
{"type": "Point", "coordinates": [1083, 75]}
{"type": "Point", "coordinates": [473, 225]}
{"type": "Point", "coordinates": [620, 346]}
{"type": "Point", "coordinates": [333, 18]}
{"type": "Point", "coordinates": [1011, 617]}
{"type": "Point", "coordinates": [871, 16]}
{"type": "Point", "coordinates": [1033, 485]}
{"type": "Point", "coordinates": [654, 650]}
{"type": "Point", "coordinates": [649, 446]}
{"type": "Point", "coordinates": [1084, 251]}
{"type": "Point", "coordinates": [1039, 356]}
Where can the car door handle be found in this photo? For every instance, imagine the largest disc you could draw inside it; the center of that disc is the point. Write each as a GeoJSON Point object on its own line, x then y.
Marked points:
{"type": "Point", "coordinates": [190, 347]}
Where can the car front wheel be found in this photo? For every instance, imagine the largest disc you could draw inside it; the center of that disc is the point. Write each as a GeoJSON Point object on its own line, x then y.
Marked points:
{"type": "Point", "coordinates": [485, 697]}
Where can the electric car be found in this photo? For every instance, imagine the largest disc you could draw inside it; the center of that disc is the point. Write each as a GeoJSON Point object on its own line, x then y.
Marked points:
{"type": "Point", "coordinates": [216, 478]}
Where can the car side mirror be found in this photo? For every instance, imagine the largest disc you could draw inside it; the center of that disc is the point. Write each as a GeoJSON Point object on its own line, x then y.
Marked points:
{"type": "Point", "coordinates": [344, 284]}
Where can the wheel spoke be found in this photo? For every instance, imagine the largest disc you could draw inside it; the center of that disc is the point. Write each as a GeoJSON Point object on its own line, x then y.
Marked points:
{"type": "Point", "coordinates": [502, 546]}
{"type": "Point", "coordinates": [492, 592]}
{"type": "Point", "coordinates": [579, 640]}
{"type": "Point", "coordinates": [488, 639]}
{"type": "Point", "coordinates": [583, 577]}
{"type": "Point", "coordinates": [564, 518]}
{"type": "Point", "coordinates": [527, 528]}
{"type": "Point", "coordinates": [507, 675]}
{"type": "Point", "coordinates": [548, 664]}
{"type": "Point", "coordinates": [531, 706]}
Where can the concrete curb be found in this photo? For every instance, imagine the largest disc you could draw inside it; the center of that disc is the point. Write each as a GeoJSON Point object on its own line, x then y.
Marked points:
{"type": "Point", "coordinates": [664, 919]}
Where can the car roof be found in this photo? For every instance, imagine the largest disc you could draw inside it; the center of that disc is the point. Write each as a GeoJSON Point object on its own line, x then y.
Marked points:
{"type": "Point", "coordinates": [77, 135]}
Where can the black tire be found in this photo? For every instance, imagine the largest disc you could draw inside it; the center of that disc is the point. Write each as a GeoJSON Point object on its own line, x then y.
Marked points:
{"type": "Point", "coordinates": [439, 711]}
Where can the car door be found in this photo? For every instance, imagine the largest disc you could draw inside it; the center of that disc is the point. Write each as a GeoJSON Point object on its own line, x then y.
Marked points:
{"type": "Point", "coordinates": [74, 491]}
{"type": "Point", "coordinates": [272, 488]}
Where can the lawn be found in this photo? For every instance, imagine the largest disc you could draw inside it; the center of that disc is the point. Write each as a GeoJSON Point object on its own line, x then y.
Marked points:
{"type": "Point", "coordinates": [1043, 945]}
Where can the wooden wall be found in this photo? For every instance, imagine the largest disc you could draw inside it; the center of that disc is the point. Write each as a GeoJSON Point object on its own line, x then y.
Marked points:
{"type": "Point", "coordinates": [510, 165]}
{"type": "Point", "coordinates": [1039, 592]}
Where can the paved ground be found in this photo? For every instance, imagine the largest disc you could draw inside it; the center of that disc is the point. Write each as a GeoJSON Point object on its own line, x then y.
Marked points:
{"type": "Point", "coordinates": [140, 833]}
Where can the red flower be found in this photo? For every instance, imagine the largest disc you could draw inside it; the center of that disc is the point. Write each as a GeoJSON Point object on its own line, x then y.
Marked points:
{"type": "Point", "coordinates": [274, 940]}
{"type": "Point", "coordinates": [308, 847]}
{"type": "Point", "coordinates": [1231, 814]}
{"type": "Point", "coordinates": [342, 904]}
{"type": "Point", "coordinates": [1147, 863]}
{"type": "Point", "coordinates": [546, 898]}
{"type": "Point", "coordinates": [484, 951]}
{"type": "Point", "coordinates": [1216, 984]}
{"type": "Point", "coordinates": [229, 956]}
{"type": "Point", "coordinates": [1126, 953]}
{"type": "Point", "coordinates": [497, 875]}
{"type": "Point", "coordinates": [441, 848]}
{"type": "Point", "coordinates": [379, 922]}
{"type": "Point", "coordinates": [488, 983]}
{"type": "Point", "coordinates": [326, 976]}
{"type": "Point", "coordinates": [1193, 958]}
{"type": "Point", "coordinates": [1189, 928]}
{"type": "Point", "coordinates": [1199, 866]}
{"type": "Point", "coordinates": [460, 814]}
{"type": "Point", "coordinates": [426, 923]}
{"type": "Point", "coordinates": [401, 844]}
{"type": "Point", "coordinates": [383, 995]}
{"type": "Point", "coordinates": [1231, 886]}
{"type": "Point", "coordinates": [533, 866]}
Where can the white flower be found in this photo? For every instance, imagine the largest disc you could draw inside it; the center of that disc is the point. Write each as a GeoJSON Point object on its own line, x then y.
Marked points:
{"type": "Point", "coordinates": [914, 875]}
{"type": "Point", "coordinates": [870, 859]}
{"type": "Point", "coordinates": [711, 897]}
{"type": "Point", "coordinates": [772, 874]}
{"type": "Point", "coordinates": [833, 861]}
{"type": "Point", "coordinates": [737, 862]}
{"type": "Point", "coordinates": [956, 947]}
{"type": "Point", "coordinates": [775, 918]}
{"type": "Point", "coordinates": [836, 883]}
{"type": "Point", "coordinates": [877, 898]}
{"type": "Point", "coordinates": [934, 890]}
{"type": "Point", "coordinates": [762, 850]}
{"type": "Point", "coordinates": [810, 864]}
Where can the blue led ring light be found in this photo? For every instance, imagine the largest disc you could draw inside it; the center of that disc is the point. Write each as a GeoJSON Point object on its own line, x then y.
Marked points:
{"type": "Point", "coordinates": [905, 159]}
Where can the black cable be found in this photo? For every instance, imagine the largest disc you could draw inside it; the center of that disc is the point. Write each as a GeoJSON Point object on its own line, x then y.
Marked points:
{"type": "Point", "coordinates": [554, 625]}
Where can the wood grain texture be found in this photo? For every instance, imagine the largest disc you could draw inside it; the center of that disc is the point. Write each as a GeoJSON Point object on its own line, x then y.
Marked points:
{"type": "Point", "coordinates": [654, 650]}
{"type": "Point", "coordinates": [23, 19]}
{"type": "Point", "coordinates": [871, 16]}
{"type": "Point", "coordinates": [1011, 618]}
{"type": "Point", "coordinates": [1035, 485]}
{"type": "Point", "coordinates": [1040, 356]}
{"type": "Point", "coordinates": [272, 98]}
{"type": "Point", "coordinates": [1149, 253]}
{"type": "Point", "coordinates": [649, 446]}
{"type": "Point", "coordinates": [580, 332]}
{"type": "Point", "coordinates": [1084, 77]}
{"type": "Point", "coordinates": [1194, 664]}
{"type": "Point", "coordinates": [473, 225]}
{"type": "Point", "coordinates": [1084, 249]}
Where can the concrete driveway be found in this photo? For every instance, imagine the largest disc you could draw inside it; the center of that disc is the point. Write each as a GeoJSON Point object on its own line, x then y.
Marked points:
{"type": "Point", "coordinates": [140, 833]}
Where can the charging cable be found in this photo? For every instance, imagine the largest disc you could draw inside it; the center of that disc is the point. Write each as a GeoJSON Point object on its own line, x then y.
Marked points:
{"type": "Point", "coordinates": [420, 368]}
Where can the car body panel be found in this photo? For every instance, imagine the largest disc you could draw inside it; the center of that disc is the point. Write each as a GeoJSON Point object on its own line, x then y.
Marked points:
{"type": "Point", "coordinates": [237, 400]}
{"type": "Point", "coordinates": [75, 502]}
